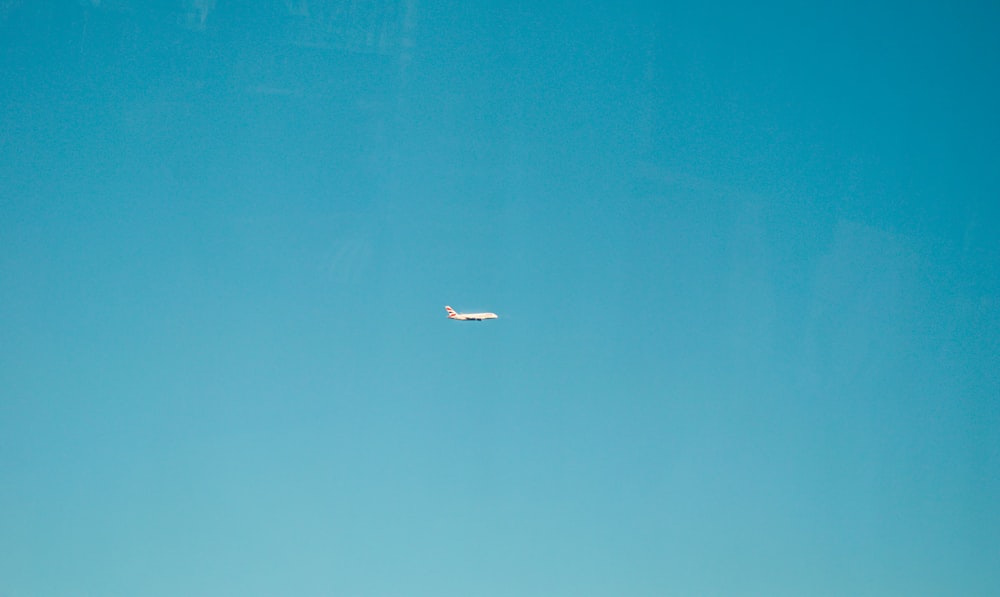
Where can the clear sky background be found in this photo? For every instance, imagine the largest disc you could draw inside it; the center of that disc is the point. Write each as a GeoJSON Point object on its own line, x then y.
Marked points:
{"type": "Point", "coordinates": [745, 257]}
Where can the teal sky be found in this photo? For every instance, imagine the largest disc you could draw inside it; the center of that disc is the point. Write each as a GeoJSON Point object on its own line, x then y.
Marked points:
{"type": "Point", "coordinates": [745, 257]}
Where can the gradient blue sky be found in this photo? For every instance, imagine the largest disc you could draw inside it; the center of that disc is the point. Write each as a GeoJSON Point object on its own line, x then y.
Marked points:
{"type": "Point", "coordinates": [745, 255]}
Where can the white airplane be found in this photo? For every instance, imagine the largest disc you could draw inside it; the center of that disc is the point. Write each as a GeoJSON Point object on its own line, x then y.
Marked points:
{"type": "Point", "coordinates": [468, 316]}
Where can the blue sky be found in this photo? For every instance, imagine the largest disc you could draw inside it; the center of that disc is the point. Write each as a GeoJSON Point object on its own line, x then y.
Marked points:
{"type": "Point", "coordinates": [745, 258]}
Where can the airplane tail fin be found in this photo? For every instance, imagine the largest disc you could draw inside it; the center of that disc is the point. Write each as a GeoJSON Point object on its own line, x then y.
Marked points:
{"type": "Point", "coordinates": [451, 312]}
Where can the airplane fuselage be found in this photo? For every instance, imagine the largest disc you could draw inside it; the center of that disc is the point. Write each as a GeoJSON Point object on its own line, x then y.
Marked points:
{"type": "Point", "coordinates": [469, 316]}
{"type": "Point", "coordinates": [475, 316]}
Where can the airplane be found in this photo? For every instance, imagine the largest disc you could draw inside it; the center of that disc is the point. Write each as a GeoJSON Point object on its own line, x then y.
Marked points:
{"type": "Point", "coordinates": [468, 316]}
